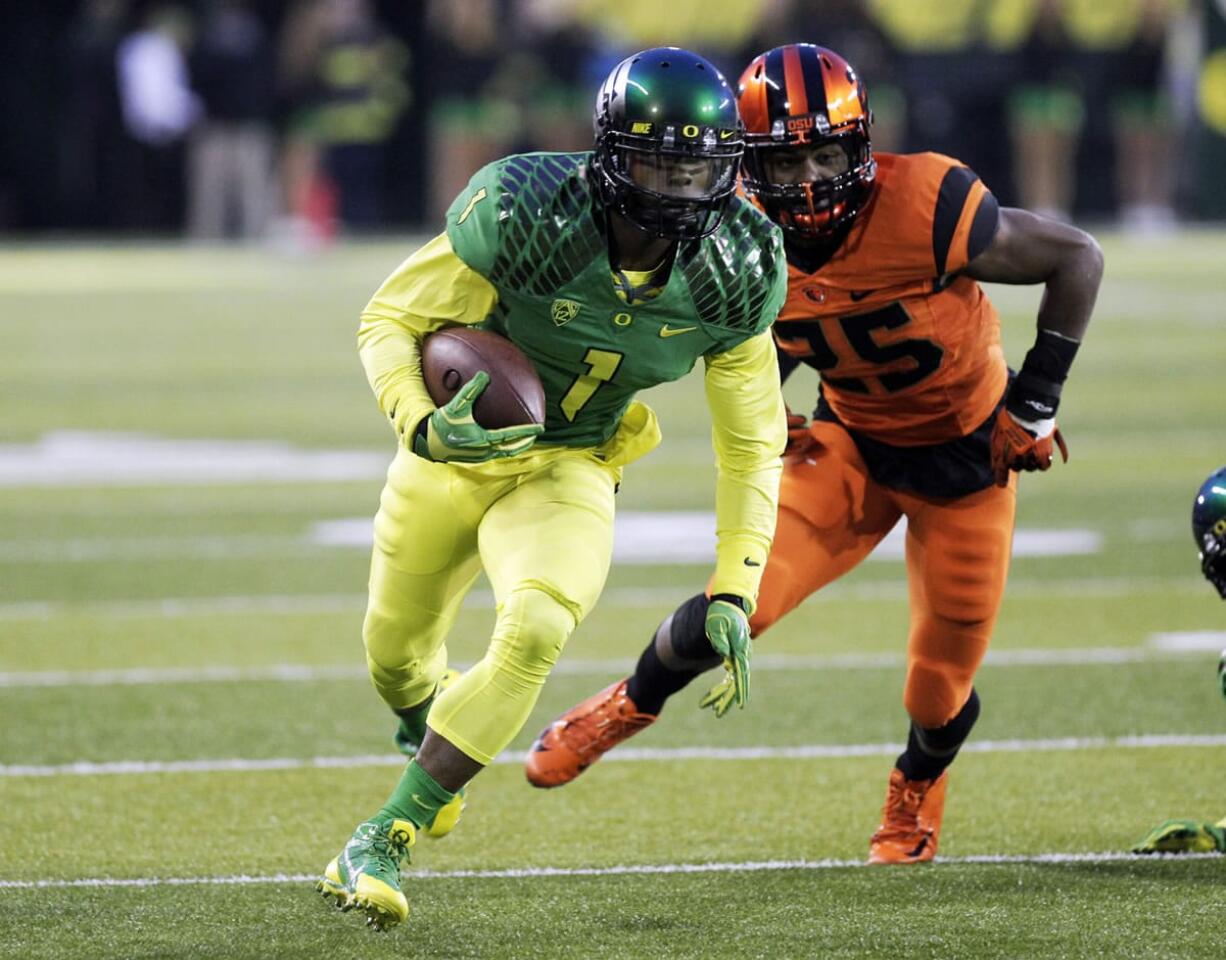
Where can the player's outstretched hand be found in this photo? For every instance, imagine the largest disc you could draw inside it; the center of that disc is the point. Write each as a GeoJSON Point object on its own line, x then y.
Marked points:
{"type": "Point", "coordinates": [728, 631]}
{"type": "Point", "coordinates": [1023, 445]}
{"type": "Point", "coordinates": [1184, 836]}
{"type": "Point", "coordinates": [452, 435]}
{"type": "Point", "coordinates": [800, 440]}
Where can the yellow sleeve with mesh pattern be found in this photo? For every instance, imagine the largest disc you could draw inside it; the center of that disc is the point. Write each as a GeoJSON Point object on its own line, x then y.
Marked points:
{"type": "Point", "coordinates": [433, 288]}
{"type": "Point", "coordinates": [749, 430]}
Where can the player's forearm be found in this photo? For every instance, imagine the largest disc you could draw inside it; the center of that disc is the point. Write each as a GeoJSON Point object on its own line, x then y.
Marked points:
{"type": "Point", "coordinates": [391, 356]}
{"type": "Point", "coordinates": [749, 430]}
{"type": "Point", "coordinates": [745, 509]}
{"type": "Point", "coordinates": [1072, 287]}
{"type": "Point", "coordinates": [433, 288]}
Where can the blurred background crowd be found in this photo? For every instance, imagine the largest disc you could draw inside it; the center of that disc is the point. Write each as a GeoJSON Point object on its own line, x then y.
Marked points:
{"type": "Point", "coordinates": [297, 120]}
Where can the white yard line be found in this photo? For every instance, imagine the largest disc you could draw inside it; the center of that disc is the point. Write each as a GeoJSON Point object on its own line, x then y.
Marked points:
{"type": "Point", "coordinates": [1189, 640]}
{"type": "Point", "coordinates": [524, 873]}
{"type": "Point", "coordinates": [633, 597]}
{"type": "Point", "coordinates": [640, 538]}
{"type": "Point", "coordinates": [625, 755]}
{"type": "Point", "coordinates": [768, 662]}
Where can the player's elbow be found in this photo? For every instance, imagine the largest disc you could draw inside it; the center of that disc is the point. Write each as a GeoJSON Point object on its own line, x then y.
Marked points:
{"type": "Point", "coordinates": [1087, 258]}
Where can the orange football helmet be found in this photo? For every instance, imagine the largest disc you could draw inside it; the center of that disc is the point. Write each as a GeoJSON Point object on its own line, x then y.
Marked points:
{"type": "Point", "coordinates": [803, 95]}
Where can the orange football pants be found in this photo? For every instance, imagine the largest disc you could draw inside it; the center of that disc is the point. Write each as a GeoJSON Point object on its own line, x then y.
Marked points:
{"type": "Point", "coordinates": [832, 514]}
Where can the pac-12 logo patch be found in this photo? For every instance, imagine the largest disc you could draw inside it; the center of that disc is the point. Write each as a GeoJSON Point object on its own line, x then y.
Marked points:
{"type": "Point", "coordinates": [564, 311]}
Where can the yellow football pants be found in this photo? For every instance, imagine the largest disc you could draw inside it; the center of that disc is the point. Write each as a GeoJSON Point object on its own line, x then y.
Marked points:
{"type": "Point", "coordinates": [541, 525]}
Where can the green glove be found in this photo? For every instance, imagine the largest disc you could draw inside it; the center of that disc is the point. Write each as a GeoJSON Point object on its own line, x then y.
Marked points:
{"type": "Point", "coordinates": [1183, 836]}
{"type": "Point", "coordinates": [451, 435]}
{"type": "Point", "coordinates": [728, 631]}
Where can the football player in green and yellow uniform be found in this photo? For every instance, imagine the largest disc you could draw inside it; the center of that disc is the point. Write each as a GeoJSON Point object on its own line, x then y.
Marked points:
{"type": "Point", "coordinates": [1209, 532]}
{"type": "Point", "coordinates": [613, 271]}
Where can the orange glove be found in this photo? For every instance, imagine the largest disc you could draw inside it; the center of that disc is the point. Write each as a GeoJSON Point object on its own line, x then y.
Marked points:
{"type": "Point", "coordinates": [1023, 445]}
{"type": "Point", "coordinates": [800, 440]}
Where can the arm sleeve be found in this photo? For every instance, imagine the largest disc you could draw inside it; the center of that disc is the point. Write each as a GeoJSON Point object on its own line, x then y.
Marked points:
{"type": "Point", "coordinates": [749, 432]}
{"type": "Point", "coordinates": [434, 288]}
{"type": "Point", "coordinates": [964, 220]}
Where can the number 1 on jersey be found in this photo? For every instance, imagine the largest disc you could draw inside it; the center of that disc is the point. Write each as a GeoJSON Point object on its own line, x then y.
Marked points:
{"type": "Point", "coordinates": [602, 364]}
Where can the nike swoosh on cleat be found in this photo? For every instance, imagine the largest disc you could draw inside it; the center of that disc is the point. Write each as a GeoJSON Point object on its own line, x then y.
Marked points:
{"type": "Point", "coordinates": [919, 848]}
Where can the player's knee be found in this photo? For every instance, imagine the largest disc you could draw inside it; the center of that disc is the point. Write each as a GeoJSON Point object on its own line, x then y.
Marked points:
{"type": "Point", "coordinates": [533, 626]}
{"type": "Point", "coordinates": [397, 637]}
{"type": "Point", "coordinates": [934, 694]}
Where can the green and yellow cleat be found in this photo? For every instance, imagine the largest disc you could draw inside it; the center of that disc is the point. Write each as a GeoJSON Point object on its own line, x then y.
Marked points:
{"type": "Point", "coordinates": [366, 874]}
{"type": "Point", "coordinates": [408, 738]}
{"type": "Point", "coordinates": [1184, 836]}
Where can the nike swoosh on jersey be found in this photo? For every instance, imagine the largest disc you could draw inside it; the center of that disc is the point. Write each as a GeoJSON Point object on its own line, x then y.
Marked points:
{"type": "Point", "coordinates": [858, 295]}
{"type": "Point", "coordinates": [667, 331]}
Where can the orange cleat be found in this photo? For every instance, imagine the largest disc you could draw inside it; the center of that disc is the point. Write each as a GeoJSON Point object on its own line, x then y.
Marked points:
{"type": "Point", "coordinates": [579, 737]}
{"type": "Point", "coordinates": [910, 820]}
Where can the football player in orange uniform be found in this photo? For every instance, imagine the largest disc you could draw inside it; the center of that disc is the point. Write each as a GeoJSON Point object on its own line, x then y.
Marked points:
{"type": "Point", "coordinates": [918, 415]}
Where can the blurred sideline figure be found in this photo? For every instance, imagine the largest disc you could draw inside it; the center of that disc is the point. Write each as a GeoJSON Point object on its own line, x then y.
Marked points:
{"type": "Point", "coordinates": [341, 75]}
{"type": "Point", "coordinates": [1090, 114]}
{"type": "Point", "coordinates": [93, 149]}
{"type": "Point", "coordinates": [159, 108]}
{"type": "Point", "coordinates": [1209, 532]}
{"type": "Point", "coordinates": [230, 153]}
{"type": "Point", "coordinates": [614, 270]}
{"type": "Point", "coordinates": [917, 415]}
{"type": "Point", "coordinates": [1045, 119]}
{"type": "Point", "coordinates": [471, 122]}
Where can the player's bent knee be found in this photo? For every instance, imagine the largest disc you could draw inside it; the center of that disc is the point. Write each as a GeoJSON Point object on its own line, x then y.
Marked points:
{"type": "Point", "coordinates": [534, 623]}
{"type": "Point", "coordinates": [933, 696]}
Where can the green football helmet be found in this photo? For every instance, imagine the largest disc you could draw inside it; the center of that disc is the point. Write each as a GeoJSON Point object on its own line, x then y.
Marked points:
{"type": "Point", "coordinates": [1209, 529]}
{"type": "Point", "coordinates": [668, 143]}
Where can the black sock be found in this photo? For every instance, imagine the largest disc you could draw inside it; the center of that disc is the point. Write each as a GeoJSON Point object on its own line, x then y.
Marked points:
{"type": "Point", "coordinates": [653, 683]}
{"type": "Point", "coordinates": [930, 750]}
{"type": "Point", "coordinates": [683, 634]}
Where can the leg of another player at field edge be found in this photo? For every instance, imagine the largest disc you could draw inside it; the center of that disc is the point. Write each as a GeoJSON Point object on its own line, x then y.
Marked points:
{"type": "Point", "coordinates": [831, 516]}
{"type": "Point", "coordinates": [957, 562]}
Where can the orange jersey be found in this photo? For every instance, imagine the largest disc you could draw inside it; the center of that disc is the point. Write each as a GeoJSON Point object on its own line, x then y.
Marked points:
{"type": "Point", "coordinates": [908, 351]}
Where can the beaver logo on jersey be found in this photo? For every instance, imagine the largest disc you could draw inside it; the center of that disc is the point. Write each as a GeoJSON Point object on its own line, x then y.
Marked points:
{"type": "Point", "coordinates": [564, 311]}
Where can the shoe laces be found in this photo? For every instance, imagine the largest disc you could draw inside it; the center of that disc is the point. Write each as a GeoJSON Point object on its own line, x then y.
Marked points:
{"type": "Point", "coordinates": [383, 844]}
{"type": "Point", "coordinates": [607, 724]}
{"type": "Point", "coordinates": [902, 807]}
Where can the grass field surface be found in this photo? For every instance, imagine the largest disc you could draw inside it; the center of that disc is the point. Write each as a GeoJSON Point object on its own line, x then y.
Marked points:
{"type": "Point", "coordinates": [187, 734]}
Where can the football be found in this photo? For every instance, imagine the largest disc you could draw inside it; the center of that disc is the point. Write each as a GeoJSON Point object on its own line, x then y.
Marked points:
{"type": "Point", "coordinates": [514, 396]}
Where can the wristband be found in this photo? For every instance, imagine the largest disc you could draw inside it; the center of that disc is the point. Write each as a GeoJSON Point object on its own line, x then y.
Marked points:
{"type": "Point", "coordinates": [739, 602]}
{"type": "Point", "coordinates": [1035, 394]}
{"type": "Point", "coordinates": [421, 439]}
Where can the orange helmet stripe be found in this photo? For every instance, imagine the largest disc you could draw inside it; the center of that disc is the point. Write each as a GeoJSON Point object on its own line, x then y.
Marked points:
{"type": "Point", "coordinates": [794, 82]}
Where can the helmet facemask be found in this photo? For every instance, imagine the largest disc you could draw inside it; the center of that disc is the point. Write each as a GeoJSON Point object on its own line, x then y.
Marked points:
{"type": "Point", "coordinates": [1213, 561]}
{"type": "Point", "coordinates": [669, 186]}
{"type": "Point", "coordinates": [812, 210]}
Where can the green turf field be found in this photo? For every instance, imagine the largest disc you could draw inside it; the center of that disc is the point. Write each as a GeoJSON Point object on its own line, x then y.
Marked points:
{"type": "Point", "coordinates": [188, 735]}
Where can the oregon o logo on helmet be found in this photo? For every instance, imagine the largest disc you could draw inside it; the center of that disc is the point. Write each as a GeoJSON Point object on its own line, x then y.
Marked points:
{"type": "Point", "coordinates": [1219, 528]}
{"type": "Point", "coordinates": [689, 130]}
